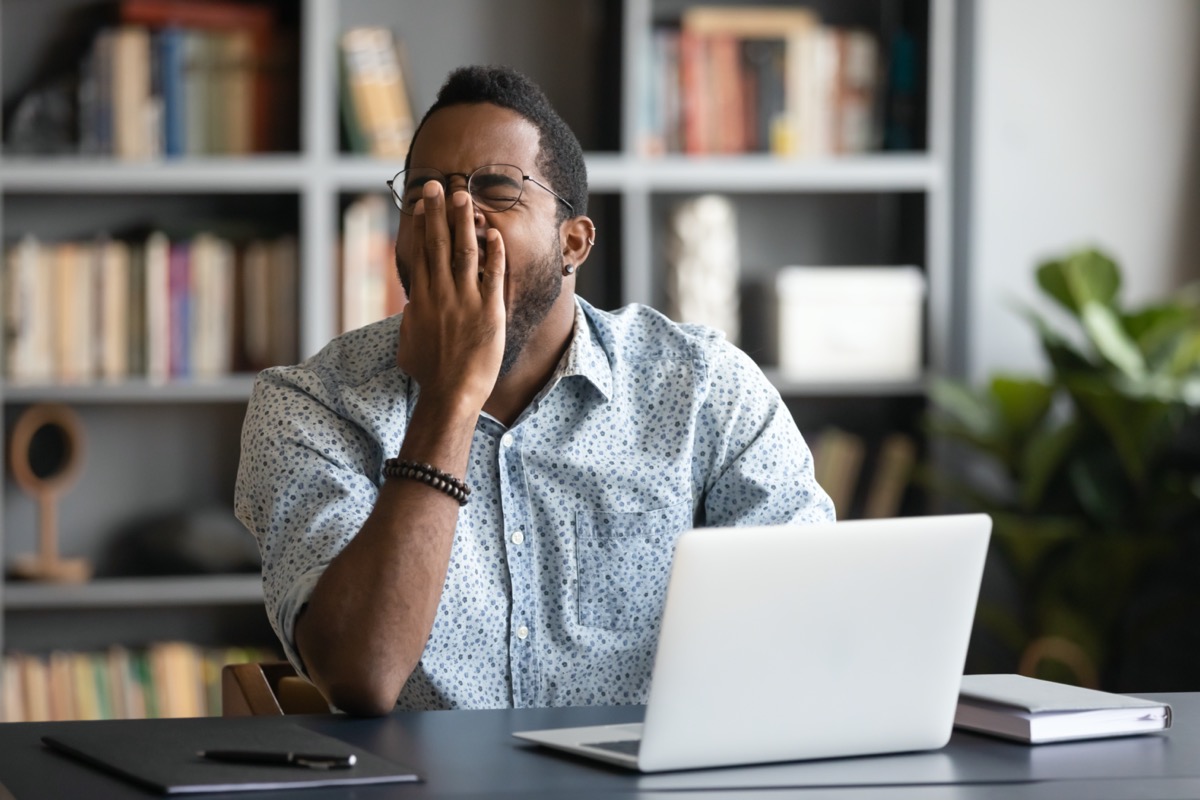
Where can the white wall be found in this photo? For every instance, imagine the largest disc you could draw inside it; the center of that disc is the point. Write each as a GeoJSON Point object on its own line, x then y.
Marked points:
{"type": "Point", "coordinates": [1086, 131]}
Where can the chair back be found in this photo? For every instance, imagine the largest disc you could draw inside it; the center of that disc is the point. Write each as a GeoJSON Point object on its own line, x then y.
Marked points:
{"type": "Point", "coordinates": [268, 688]}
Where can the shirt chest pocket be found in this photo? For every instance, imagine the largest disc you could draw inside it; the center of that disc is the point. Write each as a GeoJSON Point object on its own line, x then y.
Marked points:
{"type": "Point", "coordinates": [624, 559]}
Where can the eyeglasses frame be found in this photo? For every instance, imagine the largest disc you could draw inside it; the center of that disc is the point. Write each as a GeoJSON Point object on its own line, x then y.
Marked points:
{"type": "Point", "coordinates": [467, 177]}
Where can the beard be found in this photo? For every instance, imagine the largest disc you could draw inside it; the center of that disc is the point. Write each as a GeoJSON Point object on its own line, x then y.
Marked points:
{"type": "Point", "coordinates": [539, 290]}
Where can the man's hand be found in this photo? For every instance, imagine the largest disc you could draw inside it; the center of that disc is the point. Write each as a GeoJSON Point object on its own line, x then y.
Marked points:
{"type": "Point", "coordinates": [452, 333]}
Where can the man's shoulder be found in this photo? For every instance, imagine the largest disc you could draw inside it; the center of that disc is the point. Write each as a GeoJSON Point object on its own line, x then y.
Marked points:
{"type": "Point", "coordinates": [639, 331]}
{"type": "Point", "coordinates": [350, 359]}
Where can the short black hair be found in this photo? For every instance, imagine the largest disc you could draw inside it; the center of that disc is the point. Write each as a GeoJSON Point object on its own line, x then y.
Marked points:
{"type": "Point", "coordinates": [560, 156]}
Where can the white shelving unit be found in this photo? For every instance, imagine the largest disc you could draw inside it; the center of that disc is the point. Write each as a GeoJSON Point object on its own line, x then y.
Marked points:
{"type": "Point", "coordinates": [198, 422]}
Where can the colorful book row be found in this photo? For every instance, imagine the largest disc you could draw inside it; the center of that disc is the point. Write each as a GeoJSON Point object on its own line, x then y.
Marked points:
{"type": "Point", "coordinates": [187, 79]}
{"type": "Point", "coordinates": [744, 79]}
{"type": "Point", "coordinates": [154, 307]}
{"type": "Point", "coordinates": [165, 679]}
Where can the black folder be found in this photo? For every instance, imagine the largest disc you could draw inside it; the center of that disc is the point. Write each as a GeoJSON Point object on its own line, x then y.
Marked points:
{"type": "Point", "coordinates": [164, 754]}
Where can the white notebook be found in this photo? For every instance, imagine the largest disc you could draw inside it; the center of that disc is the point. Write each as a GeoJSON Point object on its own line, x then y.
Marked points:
{"type": "Point", "coordinates": [1036, 711]}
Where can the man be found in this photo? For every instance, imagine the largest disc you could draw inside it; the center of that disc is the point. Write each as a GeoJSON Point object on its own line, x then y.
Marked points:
{"type": "Point", "coordinates": [475, 504]}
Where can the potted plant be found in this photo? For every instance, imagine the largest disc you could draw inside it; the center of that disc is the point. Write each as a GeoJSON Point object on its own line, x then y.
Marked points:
{"type": "Point", "coordinates": [1091, 473]}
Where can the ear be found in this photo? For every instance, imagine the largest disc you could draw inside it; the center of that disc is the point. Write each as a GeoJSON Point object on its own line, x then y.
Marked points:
{"type": "Point", "coordinates": [577, 235]}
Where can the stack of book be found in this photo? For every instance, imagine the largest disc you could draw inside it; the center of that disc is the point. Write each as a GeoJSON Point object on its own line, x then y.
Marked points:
{"type": "Point", "coordinates": [165, 679]}
{"type": "Point", "coordinates": [742, 79]}
{"type": "Point", "coordinates": [154, 307]}
{"type": "Point", "coordinates": [376, 110]}
{"type": "Point", "coordinates": [370, 287]}
{"type": "Point", "coordinates": [184, 79]}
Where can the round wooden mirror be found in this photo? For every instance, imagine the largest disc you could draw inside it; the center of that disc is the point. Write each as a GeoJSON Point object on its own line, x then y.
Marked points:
{"type": "Point", "coordinates": [46, 453]}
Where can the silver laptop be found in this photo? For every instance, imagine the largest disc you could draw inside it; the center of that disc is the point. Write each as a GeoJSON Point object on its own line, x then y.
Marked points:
{"type": "Point", "coordinates": [799, 642]}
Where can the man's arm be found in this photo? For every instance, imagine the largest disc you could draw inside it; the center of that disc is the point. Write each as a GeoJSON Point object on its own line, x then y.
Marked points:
{"type": "Point", "coordinates": [365, 625]}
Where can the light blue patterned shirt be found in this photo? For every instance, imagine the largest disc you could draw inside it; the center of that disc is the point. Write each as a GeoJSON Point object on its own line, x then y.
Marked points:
{"type": "Point", "coordinates": [560, 560]}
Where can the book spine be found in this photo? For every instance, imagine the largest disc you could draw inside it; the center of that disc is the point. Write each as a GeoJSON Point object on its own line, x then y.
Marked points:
{"type": "Point", "coordinates": [179, 305]}
{"type": "Point", "coordinates": [171, 76]}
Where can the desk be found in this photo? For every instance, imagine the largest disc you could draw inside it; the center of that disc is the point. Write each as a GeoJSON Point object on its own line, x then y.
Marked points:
{"type": "Point", "coordinates": [469, 754]}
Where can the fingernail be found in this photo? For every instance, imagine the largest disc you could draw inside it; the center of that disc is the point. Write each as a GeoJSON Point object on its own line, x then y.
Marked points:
{"type": "Point", "coordinates": [419, 208]}
{"type": "Point", "coordinates": [459, 199]}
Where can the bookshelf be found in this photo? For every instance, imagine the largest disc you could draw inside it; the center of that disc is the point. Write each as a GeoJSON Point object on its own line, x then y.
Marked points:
{"type": "Point", "coordinates": [153, 447]}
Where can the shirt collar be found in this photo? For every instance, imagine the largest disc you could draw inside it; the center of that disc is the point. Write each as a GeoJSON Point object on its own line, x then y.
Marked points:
{"type": "Point", "coordinates": [585, 357]}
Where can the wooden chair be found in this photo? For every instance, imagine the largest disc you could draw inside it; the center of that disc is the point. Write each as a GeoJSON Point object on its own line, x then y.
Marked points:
{"type": "Point", "coordinates": [266, 689]}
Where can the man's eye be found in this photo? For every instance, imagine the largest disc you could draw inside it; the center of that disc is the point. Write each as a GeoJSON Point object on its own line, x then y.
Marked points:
{"type": "Point", "coordinates": [498, 194]}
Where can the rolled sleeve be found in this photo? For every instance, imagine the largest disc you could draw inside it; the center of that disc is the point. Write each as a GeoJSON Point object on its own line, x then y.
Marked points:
{"type": "Point", "coordinates": [302, 489]}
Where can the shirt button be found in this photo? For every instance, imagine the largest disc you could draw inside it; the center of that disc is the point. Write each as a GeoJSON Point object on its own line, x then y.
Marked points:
{"type": "Point", "coordinates": [522, 632]}
{"type": "Point", "coordinates": [506, 440]}
{"type": "Point", "coordinates": [518, 537]}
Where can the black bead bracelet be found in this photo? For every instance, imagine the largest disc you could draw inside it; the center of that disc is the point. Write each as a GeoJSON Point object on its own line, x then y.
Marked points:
{"type": "Point", "coordinates": [428, 475]}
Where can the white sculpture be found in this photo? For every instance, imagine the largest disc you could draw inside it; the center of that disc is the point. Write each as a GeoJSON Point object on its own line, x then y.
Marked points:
{"type": "Point", "coordinates": [702, 264]}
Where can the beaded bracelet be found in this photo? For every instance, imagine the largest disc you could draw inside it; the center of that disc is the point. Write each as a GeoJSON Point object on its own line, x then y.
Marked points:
{"type": "Point", "coordinates": [428, 475]}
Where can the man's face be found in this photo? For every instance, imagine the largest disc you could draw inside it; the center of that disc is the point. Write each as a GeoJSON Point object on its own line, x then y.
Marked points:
{"type": "Point", "coordinates": [461, 138]}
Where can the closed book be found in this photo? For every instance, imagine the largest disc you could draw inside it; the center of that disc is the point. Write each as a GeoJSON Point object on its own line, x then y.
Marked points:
{"type": "Point", "coordinates": [171, 66]}
{"type": "Point", "coordinates": [382, 111]}
{"type": "Point", "coordinates": [157, 298]}
{"type": "Point", "coordinates": [1036, 711]}
{"type": "Point", "coordinates": [284, 301]}
{"type": "Point", "coordinates": [131, 93]}
{"type": "Point", "coordinates": [14, 701]}
{"type": "Point", "coordinates": [113, 328]}
{"type": "Point", "coordinates": [179, 268]}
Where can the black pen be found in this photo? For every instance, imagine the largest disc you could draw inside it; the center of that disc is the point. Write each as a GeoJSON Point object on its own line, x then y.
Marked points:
{"type": "Point", "coordinates": [310, 760]}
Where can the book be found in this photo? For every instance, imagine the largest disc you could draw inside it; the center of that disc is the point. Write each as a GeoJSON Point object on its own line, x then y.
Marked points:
{"type": "Point", "coordinates": [162, 755]}
{"type": "Point", "coordinates": [837, 465]}
{"type": "Point", "coordinates": [1036, 711]}
{"type": "Point", "coordinates": [131, 93]}
{"type": "Point", "coordinates": [114, 317]}
{"type": "Point", "coordinates": [892, 474]}
{"type": "Point", "coordinates": [169, 44]}
{"type": "Point", "coordinates": [379, 115]}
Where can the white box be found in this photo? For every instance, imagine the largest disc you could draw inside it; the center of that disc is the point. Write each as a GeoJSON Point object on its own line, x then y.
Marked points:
{"type": "Point", "coordinates": [850, 323]}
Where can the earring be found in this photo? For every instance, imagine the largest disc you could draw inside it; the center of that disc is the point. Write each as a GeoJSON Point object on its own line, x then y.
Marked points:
{"type": "Point", "coordinates": [592, 239]}
{"type": "Point", "coordinates": [568, 269]}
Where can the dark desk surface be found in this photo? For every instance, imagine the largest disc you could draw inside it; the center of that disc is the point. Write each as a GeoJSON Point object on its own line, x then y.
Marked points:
{"type": "Point", "coordinates": [468, 754]}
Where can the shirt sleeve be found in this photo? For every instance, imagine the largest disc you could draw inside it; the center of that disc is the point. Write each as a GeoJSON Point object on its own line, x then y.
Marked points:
{"type": "Point", "coordinates": [303, 488]}
{"type": "Point", "coordinates": [759, 468]}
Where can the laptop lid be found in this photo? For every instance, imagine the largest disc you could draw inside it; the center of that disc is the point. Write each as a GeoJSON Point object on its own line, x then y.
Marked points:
{"type": "Point", "coordinates": [793, 642]}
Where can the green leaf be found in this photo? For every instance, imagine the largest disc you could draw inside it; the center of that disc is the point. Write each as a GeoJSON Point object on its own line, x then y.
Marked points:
{"type": "Point", "coordinates": [1064, 357]}
{"type": "Point", "coordinates": [1021, 402]}
{"type": "Point", "coordinates": [1082, 277]}
{"type": "Point", "coordinates": [1043, 460]}
{"type": "Point", "coordinates": [1135, 427]}
{"type": "Point", "coordinates": [1185, 356]}
{"type": "Point", "coordinates": [1027, 542]}
{"type": "Point", "coordinates": [962, 404]}
{"type": "Point", "coordinates": [1110, 340]}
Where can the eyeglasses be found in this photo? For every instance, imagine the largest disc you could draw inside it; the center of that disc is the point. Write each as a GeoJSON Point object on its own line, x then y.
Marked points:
{"type": "Point", "coordinates": [493, 187]}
